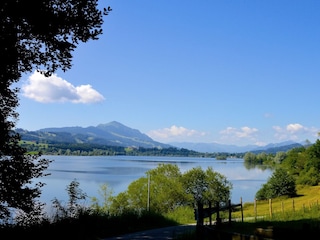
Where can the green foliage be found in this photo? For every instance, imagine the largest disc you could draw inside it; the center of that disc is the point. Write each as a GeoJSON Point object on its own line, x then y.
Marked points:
{"type": "Point", "coordinates": [309, 176]}
{"type": "Point", "coordinates": [120, 204]}
{"type": "Point", "coordinates": [304, 164]}
{"type": "Point", "coordinates": [166, 190]}
{"type": "Point", "coordinates": [182, 214]}
{"type": "Point", "coordinates": [90, 224]}
{"type": "Point", "coordinates": [279, 184]}
{"type": "Point", "coordinates": [17, 190]}
{"type": "Point", "coordinates": [279, 157]}
{"type": "Point", "coordinates": [221, 156]}
{"type": "Point", "coordinates": [206, 186]}
{"type": "Point", "coordinates": [76, 221]}
{"type": "Point", "coordinates": [138, 195]}
{"type": "Point", "coordinates": [295, 161]}
{"type": "Point", "coordinates": [74, 206]}
{"type": "Point", "coordinates": [299, 165]}
{"type": "Point", "coordinates": [26, 45]}
{"type": "Point", "coordinates": [219, 188]}
{"type": "Point", "coordinates": [106, 193]}
{"type": "Point", "coordinates": [252, 159]}
{"type": "Point", "coordinates": [195, 185]}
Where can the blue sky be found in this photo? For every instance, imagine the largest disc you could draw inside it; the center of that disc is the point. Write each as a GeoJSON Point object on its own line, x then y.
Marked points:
{"type": "Point", "coordinates": [232, 72]}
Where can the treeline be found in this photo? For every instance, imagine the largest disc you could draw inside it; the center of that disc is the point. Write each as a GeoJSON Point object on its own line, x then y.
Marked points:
{"type": "Point", "coordinates": [298, 166]}
{"type": "Point", "coordinates": [85, 149]}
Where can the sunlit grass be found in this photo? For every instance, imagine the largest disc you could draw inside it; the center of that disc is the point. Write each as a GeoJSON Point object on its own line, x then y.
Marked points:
{"type": "Point", "coordinates": [308, 198]}
{"type": "Point", "coordinates": [182, 215]}
{"type": "Point", "coordinates": [281, 213]}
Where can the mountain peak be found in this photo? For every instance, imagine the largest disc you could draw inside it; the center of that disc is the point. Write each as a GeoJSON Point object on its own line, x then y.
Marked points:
{"type": "Point", "coordinates": [113, 134]}
{"type": "Point", "coordinates": [112, 123]}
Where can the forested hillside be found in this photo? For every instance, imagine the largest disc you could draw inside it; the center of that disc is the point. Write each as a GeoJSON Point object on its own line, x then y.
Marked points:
{"type": "Point", "coordinates": [110, 134]}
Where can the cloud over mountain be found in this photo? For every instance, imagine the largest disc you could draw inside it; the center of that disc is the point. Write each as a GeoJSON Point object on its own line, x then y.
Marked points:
{"type": "Point", "coordinates": [56, 89]}
{"type": "Point", "coordinates": [238, 136]}
{"type": "Point", "coordinates": [294, 131]}
{"type": "Point", "coordinates": [231, 133]}
{"type": "Point", "coordinates": [175, 133]}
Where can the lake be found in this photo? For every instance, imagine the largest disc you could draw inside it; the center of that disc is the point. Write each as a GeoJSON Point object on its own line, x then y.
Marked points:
{"type": "Point", "coordinates": [119, 171]}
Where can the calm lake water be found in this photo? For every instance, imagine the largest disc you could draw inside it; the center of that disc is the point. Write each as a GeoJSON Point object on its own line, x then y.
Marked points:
{"type": "Point", "coordinates": [119, 171]}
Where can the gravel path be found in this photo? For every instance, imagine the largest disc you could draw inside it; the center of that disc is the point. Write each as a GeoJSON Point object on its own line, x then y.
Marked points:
{"type": "Point", "coordinates": [166, 233]}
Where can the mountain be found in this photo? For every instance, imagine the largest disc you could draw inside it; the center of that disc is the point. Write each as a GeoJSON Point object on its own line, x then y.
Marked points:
{"type": "Point", "coordinates": [215, 147]}
{"type": "Point", "coordinates": [212, 147]}
{"type": "Point", "coordinates": [277, 147]}
{"type": "Point", "coordinates": [111, 134]}
{"type": "Point", "coordinates": [117, 134]}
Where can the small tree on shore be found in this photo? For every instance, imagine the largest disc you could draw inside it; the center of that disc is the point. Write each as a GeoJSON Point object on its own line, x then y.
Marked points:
{"type": "Point", "coordinates": [206, 186]}
{"type": "Point", "coordinates": [279, 184]}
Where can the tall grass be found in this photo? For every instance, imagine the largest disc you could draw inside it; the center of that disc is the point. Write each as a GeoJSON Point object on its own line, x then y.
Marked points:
{"type": "Point", "coordinates": [182, 215]}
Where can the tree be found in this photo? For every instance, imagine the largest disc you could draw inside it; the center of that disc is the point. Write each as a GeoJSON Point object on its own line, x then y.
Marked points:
{"type": "Point", "coordinates": [295, 161]}
{"type": "Point", "coordinates": [206, 186]}
{"type": "Point", "coordinates": [166, 190]}
{"type": "Point", "coordinates": [106, 193]}
{"type": "Point", "coordinates": [137, 195]}
{"type": "Point", "coordinates": [195, 184]}
{"type": "Point", "coordinates": [161, 190]}
{"type": "Point", "coordinates": [74, 207]}
{"type": "Point", "coordinates": [314, 155]}
{"type": "Point", "coordinates": [279, 184]}
{"type": "Point", "coordinates": [310, 174]}
{"type": "Point", "coordinates": [219, 187]}
{"type": "Point", "coordinates": [34, 35]}
{"type": "Point", "coordinates": [119, 204]}
{"type": "Point", "coordinates": [249, 157]}
{"type": "Point", "coordinates": [279, 157]}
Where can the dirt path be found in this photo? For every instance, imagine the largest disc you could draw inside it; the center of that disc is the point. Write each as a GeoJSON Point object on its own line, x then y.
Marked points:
{"type": "Point", "coordinates": [166, 233]}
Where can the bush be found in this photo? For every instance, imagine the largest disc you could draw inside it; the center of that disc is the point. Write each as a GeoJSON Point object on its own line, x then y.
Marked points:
{"type": "Point", "coordinates": [279, 184]}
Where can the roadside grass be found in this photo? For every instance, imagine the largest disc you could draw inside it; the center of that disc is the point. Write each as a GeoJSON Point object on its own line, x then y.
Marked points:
{"type": "Point", "coordinates": [286, 217]}
{"type": "Point", "coordinates": [304, 216]}
{"type": "Point", "coordinates": [307, 199]}
{"type": "Point", "coordinates": [182, 215]}
{"type": "Point", "coordinates": [305, 206]}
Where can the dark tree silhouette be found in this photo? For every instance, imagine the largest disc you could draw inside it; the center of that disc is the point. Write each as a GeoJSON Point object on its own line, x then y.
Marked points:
{"type": "Point", "coordinates": [38, 34]}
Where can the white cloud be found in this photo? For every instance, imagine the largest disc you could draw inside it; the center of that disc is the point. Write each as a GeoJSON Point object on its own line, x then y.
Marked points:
{"type": "Point", "coordinates": [259, 143]}
{"type": "Point", "coordinates": [294, 127]}
{"type": "Point", "coordinates": [235, 135]}
{"type": "Point", "coordinates": [55, 89]}
{"type": "Point", "coordinates": [295, 132]}
{"type": "Point", "coordinates": [175, 133]}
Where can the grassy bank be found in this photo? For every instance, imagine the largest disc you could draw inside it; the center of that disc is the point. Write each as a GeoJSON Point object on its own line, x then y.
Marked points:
{"type": "Point", "coordinates": [307, 203]}
{"type": "Point", "coordinates": [284, 218]}
{"type": "Point", "coordinates": [303, 217]}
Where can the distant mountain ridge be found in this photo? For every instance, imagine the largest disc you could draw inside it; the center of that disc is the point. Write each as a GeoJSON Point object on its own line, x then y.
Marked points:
{"type": "Point", "coordinates": [212, 147]}
{"type": "Point", "coordinates": [112, 134]}
{"type": "Point", "coordinates": [216, 147]}
{"type": "Point", "coordinates": [117, 134]}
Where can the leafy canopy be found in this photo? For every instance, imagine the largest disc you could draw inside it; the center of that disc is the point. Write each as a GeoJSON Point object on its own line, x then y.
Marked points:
{"type": "Point", "coordinates": [165, 189]}
{"type": "Point", "coordinates": [38, 34]}
{"type": "Point", "coordinates": [281, 183]}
